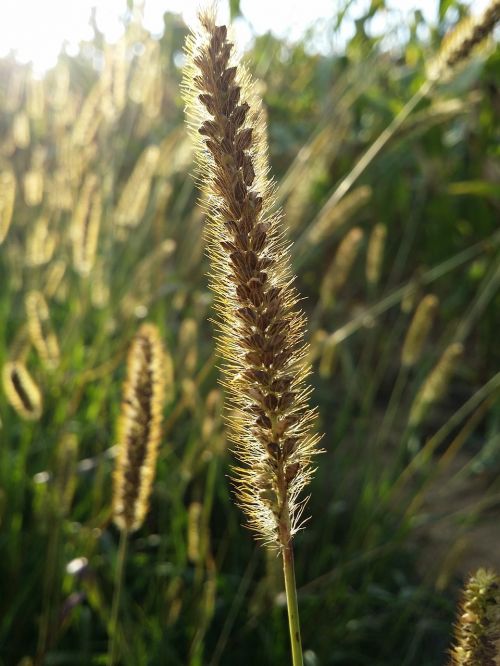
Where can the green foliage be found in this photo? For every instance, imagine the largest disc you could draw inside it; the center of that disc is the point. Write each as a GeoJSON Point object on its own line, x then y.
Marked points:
{"type": "Point", "coordinates": [198, 590]}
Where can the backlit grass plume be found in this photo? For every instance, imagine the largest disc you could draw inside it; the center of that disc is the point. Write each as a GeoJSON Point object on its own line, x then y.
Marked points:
{"type": "Point", "coordinates": [477, 631]}
{"type": "Point", "coordinates": [139, 429]}
{"type": "Point", "coordinates": [40, 329]}
{"type": "Point", "coordinates": [459, 44]}
{"type": "Point", "coordinates": [139, 432]}
{"type": "Point", "coordinates": [261, 328]}
{"type": "Point", "coordinates": [21, 390]}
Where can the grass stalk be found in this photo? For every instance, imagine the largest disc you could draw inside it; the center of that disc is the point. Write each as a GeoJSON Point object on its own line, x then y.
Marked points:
{"type": "Point", "coordinates": [117, 594]}
{"type": "Point", "coordinates": [292, 605]}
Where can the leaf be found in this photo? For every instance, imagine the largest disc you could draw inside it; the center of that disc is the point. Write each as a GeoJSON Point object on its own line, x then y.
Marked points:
{"type": "Point", "coordinates": [234, 9]}
{"type": "Point", "coordinates": [476, 187]}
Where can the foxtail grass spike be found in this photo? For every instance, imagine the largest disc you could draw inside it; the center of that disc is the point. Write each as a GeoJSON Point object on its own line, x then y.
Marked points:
{"type": "Point", "coordinates": [40, 329]}
{"type": "Point", "coordinates": [86, 224]}
{"type": "Point", "coordinates": [436, 383]}
{"type": "Point", "coordinates": [21, 391]}
{"type": "Point", "coordinates": [419, 330]}
{"type": "Point", "coordinates": [375, 254]}
{"type": "Point", "coordinates": [462, 41]}
{"type": "Point", "coordinates": [338, 271]}
{"type": "Point", "coordinates": [7, 199]}
{"type": "Point", "coordinates": [41, 243]}
{"type": "Point", "coordinates": [135, 194]}
{"type": "Point", "coordinates": [332, 218]}
{"type": "Point", "coordinates": [477, 631]}
{"type": "Point", "coordinates": [261, 328]}
{"type": "Point", "coordinates": [139, 429]}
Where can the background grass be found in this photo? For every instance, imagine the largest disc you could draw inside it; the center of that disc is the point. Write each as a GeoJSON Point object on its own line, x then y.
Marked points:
{"type": "Point", "coordinates": [398, 514]}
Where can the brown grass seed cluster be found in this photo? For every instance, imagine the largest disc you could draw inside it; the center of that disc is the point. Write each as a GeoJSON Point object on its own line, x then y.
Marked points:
{"type": "Point", "coordinates": [139, 429]}
{"type": "Point", "coordinates": [261, 328]}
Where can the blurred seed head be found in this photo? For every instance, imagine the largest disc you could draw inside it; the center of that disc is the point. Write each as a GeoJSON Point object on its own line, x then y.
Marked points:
{"type": "Point", "coordinates": [419, 330]}
{"type": "Point", "coordinates": [40, 329]}
{"type": "Point", "coordinates": [139, 429]}
{"type": "Point", "coordinates": [21, 390]}
{"type": "Point", "coordinates": [375, 254]}
{"type": "Point", "coordinates": [477, 630]}
{"type": "Point", "coordinates": [436, 384]}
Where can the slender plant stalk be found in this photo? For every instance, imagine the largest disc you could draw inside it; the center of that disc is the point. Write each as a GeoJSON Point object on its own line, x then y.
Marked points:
{"type": "Point", "coordinates": [117, 594]}
{"type": "Point", "coordinates": [261, 327]}
{"type": "Point", "coordinates": [365, 160]}
{"type": "Point", "coordinates": [293, 608]}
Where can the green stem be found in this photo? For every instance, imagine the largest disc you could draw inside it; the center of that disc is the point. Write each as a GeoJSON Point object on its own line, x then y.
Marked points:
{"type": "Point", "coordinates": [122, 552]}
{"type": "Point", "coordinates": [374, 149]}
{"type": "Point", "coordinates": [293, 608]}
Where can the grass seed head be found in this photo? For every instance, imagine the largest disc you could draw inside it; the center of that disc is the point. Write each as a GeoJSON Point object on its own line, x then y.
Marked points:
{"type": "Point", "coordinates": [477, 631]}
{"type": "Point", "coordinates": [459, 44]}
{"type": "Point", "coordinates": [261, 328]}
{"type": "Point", "coordinates": [21, 390]}
{"type": "Point", "coordinates": [139, 429]}
{"type": "Point", "coordinates": [7, 200]}
{"type": "Point", "coordinates": [40, 329]}
{"type": "Point", "coordinates": [436, 383]}
{"type": "Point", "coordinates": [419, 330]}
{"type": "Point", "coordinates": [375, 254]}
{"type": "Point", "coordinates": [338, 271]}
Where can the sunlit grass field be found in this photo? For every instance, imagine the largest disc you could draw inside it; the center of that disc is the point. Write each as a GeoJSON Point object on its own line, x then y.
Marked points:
{"type": "Point", "coordinates": [100, 231]}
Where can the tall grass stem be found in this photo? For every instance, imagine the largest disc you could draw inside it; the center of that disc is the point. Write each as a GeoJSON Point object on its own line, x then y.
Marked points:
{"type": "Point", "coordinates": [292, 605]}
{"type": "Point", "coordinates": [120, 569]}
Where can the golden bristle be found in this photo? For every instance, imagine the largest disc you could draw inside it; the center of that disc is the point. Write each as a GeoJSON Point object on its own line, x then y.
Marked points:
{"type": "Point", "coordinates": [40, 329]}
{"type": "Point", "coordinates": [463, 40]}
{"type": "Point", "coordinates": [21, 390]}
{"type": "Point", "coordinates": [7, 200]}
{"type": "Point", "coordinates": [436, 383]}
{"type": "Point", "coordinates": [261, 328]}
{"type": "Point", "coordinates": [338, 271]}
{"type": "Point", "coordinates": [477, 631]}
{"type": "Point", "coordinates": [139, 429]}
{"type": "Point", "coordinates": [375, 254]}
{"type": "Point", "coordinates": [419, 330]}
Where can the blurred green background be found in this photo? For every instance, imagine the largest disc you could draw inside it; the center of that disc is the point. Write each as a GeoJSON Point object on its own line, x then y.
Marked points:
{"type": "Point", "coordinates": [401, 509]}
